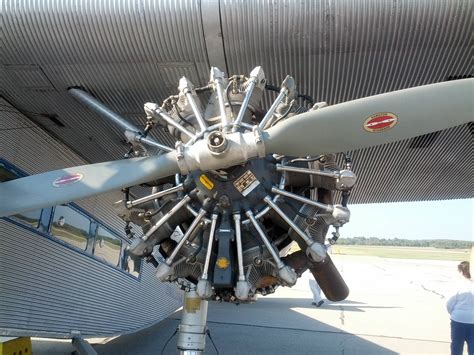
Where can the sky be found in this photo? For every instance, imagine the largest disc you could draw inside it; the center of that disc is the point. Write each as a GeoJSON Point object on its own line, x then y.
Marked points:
{"type": "Point", "coordinates": [450, 219]}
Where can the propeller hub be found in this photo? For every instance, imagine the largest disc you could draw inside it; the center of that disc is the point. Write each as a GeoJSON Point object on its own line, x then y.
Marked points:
{"type": "Point", "coordinates": [217, 142]}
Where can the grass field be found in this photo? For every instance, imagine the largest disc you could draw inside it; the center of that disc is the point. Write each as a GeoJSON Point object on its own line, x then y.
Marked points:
{"type": "Point", "coordinates": [403, 252]}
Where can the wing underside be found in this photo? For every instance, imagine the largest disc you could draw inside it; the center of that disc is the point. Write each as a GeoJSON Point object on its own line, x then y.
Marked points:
{"type": "Point", "coordinates": [331, 62]}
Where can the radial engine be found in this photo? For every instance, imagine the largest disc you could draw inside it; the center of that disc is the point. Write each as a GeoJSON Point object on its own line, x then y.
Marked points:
{"type": "Point", "coordinates": [244, 230]}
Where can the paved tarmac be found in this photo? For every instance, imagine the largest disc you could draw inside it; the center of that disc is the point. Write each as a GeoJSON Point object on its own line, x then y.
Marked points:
{"type": "Point", "coordinates": [395, 307]}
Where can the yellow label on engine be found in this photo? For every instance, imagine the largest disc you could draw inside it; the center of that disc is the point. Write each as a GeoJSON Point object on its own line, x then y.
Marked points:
{"type": "Point", "coordinates": [206, 182]}
{"type": "Point", "coordinates": [223, 263]}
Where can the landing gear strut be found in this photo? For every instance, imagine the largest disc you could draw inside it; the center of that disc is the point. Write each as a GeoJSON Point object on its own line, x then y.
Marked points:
{"type": "Point", "coordinates": [192, 329]}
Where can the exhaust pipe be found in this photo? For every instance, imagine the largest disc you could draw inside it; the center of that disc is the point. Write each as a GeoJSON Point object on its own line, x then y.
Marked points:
{"type": "Point", "coordinates": [330, 280]}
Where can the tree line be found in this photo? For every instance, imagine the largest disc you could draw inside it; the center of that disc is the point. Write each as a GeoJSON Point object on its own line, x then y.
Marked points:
{"type": "Point", "coordinates": [433, 243]}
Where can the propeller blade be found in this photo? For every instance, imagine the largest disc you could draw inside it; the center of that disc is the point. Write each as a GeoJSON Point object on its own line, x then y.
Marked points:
{"type": "Point", "coordinates": [65, 185]}
{"type": "Point", "coordinates": [374, 120]}
{"type": "Point", "coordinates": [330, 280]}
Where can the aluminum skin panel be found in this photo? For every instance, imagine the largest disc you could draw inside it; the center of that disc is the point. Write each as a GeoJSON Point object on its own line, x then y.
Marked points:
{"type": "Point", "coordinates": [48, 289]}
{"type": "Point", "coordinates": [129, 52]}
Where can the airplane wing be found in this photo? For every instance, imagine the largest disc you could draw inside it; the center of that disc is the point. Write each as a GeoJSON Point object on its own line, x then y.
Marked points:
{"type": "Point", "coordinates": [136, 52]}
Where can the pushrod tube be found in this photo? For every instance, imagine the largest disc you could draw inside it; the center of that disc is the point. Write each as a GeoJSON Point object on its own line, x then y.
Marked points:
{"type": "Point", "coordinates": [245, 103]}
{"type": "Point", "coordinates": [272, 108]}
{"type": "Point", "coordinates": [167, 216]}
{"type": "Point", "coordinates": [323, 206]}
{"type": "Point", "coordinates": [220, 97]}
{"type": "Point", "coordinates": [295, 169]}
{"type": "Point", "coordinates": [156, 195]}
{"type": "Point", "coordinates": [283, 215]}
{"type": "Point", "coordinates": [238, 239]}
{"type": "Point", "coordinates": [201, 214]}
{"type": "Point", "coordinates": [173, 123]}
{"type": "Point", "coordinates": [264, 239]}
{"type": "Point", "coordinates": [197, 113]}
{"type": "Point", "coordinates": [209, 246]}
{"type": "Point", "coordinates": [154, 144]}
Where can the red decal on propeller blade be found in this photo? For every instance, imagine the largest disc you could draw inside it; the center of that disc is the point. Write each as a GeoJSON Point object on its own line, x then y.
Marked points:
{"type": "Point", "coordinates": [380, 122]}
{"type": "Point", "coordinates": [67, 180]}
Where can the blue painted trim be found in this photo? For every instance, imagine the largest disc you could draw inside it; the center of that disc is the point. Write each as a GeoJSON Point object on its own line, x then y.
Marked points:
{"type": "Point", "coordinates": [21, 173]}
{"type": "Point", "coordinates": [13, 168]}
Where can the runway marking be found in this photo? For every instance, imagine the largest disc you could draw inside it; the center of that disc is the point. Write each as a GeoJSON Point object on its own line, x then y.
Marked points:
{"type": "Point", "coordinates": [432, 291]}
{"type": "Point", "coordinates": [378, 267]}
{"type": "Point", "coordinates": [341, 317]}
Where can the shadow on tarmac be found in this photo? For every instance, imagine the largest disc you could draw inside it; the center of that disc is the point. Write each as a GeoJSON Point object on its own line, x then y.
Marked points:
{"type": "Point", "coordinates": [347, 305]}
{"type": "Point", "coordinates": [270, 326]}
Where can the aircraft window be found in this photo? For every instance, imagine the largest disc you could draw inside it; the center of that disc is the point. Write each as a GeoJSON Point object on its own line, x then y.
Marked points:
{"type": "Point", "coordinates": [107, 246]}
{"type": "Point", "coordinates": [29, 218]}
{"type": "Point", "coordinates": [73, 227]}
{"type": "Point", "coordinates": [131, 263]}
{"type": "Point", "coordinates": [6, 174]}
{"type": "Point", "coordinates": [70, 226]}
